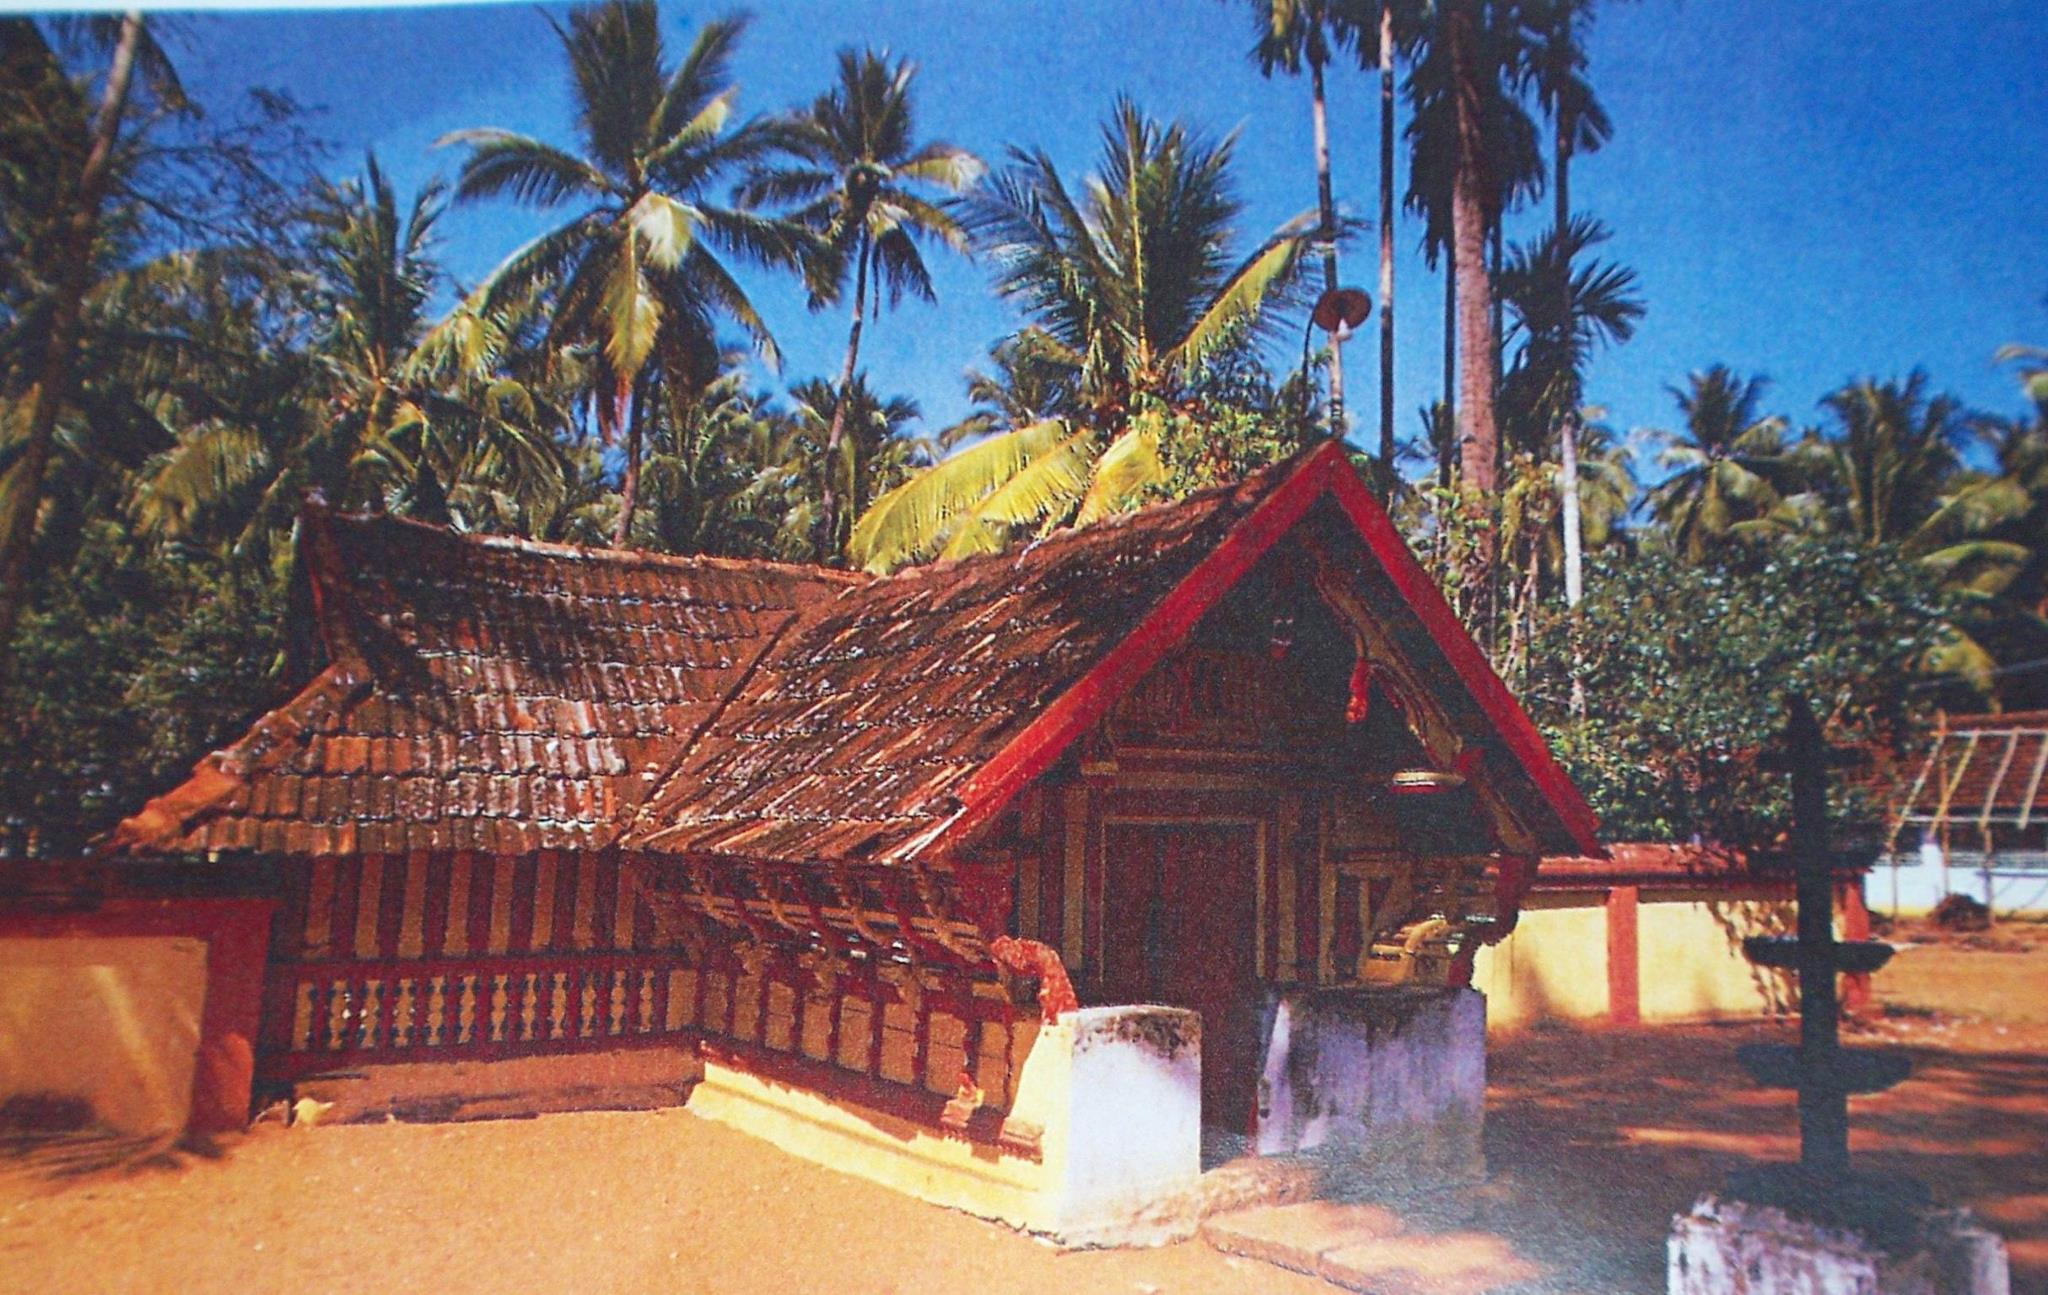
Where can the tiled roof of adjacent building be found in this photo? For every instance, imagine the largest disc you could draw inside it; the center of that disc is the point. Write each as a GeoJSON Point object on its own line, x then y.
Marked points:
{"type": "Point", "coordinates": [1983, 770]}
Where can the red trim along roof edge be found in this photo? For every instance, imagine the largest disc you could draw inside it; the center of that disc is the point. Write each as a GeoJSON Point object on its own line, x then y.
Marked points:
{"type": "Point", "coordinates": [1326, 471]}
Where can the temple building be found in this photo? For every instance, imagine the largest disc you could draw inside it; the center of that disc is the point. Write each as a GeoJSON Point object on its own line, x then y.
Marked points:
{"type": "Point", "coordinates": [1000, 880]}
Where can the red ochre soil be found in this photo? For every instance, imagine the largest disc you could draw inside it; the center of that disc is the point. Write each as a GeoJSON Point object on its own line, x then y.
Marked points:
{"type": "Point", "coordinates": [1594, 1138]}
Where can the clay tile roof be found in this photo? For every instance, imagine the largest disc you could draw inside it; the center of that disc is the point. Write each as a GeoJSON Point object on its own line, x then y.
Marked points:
{"type": "Point", "coordinates": [487, 694]}
{"type": "Point", "coordinates": [859, 729]}
{"type": "Point", "coordinates": [1985, 770]}
{"type": "Point", "coordinates": [505, 696]}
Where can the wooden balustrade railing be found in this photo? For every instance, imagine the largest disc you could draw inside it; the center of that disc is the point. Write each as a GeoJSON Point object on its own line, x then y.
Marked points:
{"type": "Point", "coordinates": [320, 1015]}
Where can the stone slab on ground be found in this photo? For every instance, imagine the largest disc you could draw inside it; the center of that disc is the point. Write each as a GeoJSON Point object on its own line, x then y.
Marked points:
{"type": "Point", "coordinates": [1369, 1248]}
{"type": "Point", "coordinates": [1296, 1236]}
{"type": "Point", "coordinates": [1435, 1263]}
{"type": "Point", "coordinates": [1732, 1247]}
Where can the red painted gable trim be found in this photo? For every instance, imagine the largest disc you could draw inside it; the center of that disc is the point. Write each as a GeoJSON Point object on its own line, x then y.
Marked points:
{"type": "Point", "coordinates": [1327, 471]}
{"type": "Point", "coordinates": [1509, 720]}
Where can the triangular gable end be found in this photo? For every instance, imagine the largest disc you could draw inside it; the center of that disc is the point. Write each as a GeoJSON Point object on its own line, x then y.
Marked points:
{"type": "Point", "coordinates": [1325, 473]}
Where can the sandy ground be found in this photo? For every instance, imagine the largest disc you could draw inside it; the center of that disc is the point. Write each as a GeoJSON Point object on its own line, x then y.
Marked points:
{"type": "Point", "coordinates": [1594, 1139]}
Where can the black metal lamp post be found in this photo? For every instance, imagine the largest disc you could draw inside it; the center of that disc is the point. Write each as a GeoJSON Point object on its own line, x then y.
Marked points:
{"type": "Point", "coordinates": [1819, 1068]}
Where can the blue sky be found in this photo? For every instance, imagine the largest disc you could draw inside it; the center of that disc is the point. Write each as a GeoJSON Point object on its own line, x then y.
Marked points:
{"type": "Point", "coordinates": [1811, 191]}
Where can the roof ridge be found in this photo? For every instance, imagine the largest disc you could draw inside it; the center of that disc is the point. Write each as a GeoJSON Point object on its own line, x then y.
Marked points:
{"type": "Point", "coordinates": [1998, 719]}
{"type": "Point", "coordinates": [219, 773]}
{"type": "Point", "coordinates": [1267, 477]}
{"type": "Point", "coordinates": [592, 553]}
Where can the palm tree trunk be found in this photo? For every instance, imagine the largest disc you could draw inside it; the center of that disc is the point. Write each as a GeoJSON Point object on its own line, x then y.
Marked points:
{"type": "Point", "coordinates": [1326, 209]}
{"type": "Point", "coordinates": [1478, 436]}
{"type": "Point", "coordinates": [60, 348]}
{"type": "Point", "coordinates": [829, 492]}
{"type": "Point", "coordinates": [1451, 342]}
{"type": "Point", "coordinates": [1387, 239]}
{"type": "Point", "coordinates": [1568, 486]}
{"type": "Point", "coordinates": [1574, 555]}
{"type": "Point", "coordinates": [1562, 189]}
{"type": "Point", "coordinates": [1497, 324]}
{"type": "Point", "coordinates": [631, 422]}
{"type": "Point", "coordinates": [1568, 447]}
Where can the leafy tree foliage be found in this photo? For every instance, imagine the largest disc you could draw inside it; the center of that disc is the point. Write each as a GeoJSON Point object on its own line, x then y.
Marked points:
{"type": "Point", "coordinates": [1689, 664]}
{"type": "Point", "coordinates": [131, 661]}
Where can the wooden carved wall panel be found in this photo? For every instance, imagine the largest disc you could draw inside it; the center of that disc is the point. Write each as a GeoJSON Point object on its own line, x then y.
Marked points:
{"type": "Point", "coordinates": [1205, 699]}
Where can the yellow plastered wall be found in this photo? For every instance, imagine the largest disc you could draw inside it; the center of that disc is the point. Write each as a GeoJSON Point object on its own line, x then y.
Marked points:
{"type": "Point", "coordinates": [114, 1021]}
{"type": "Point", "coordinates": [1689, 949]}
{"type": "Point", "coordinates": [1692, 962]}
{"type": "Point", "coordinates": [1554, 967]}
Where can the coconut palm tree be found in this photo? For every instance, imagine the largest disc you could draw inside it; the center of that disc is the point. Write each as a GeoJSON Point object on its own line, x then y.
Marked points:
{"type": "Point", "coordinates": [703, 475]}
{"type": "Point", "coordinates": [1894, 456]}
{"type": "Point", "coordinates": [394, 414]}
{"type": "Point", "coordinates": [1293, 34]}
{"type": "Point", "coordinates": [877, 451]}
{"type": "Point", "coordinates": [637, 268]}
{"type": "Point", "coordinates": [1030, 384]}
{"type": "Point", "coordinates": [2019, 447]}
{"type": "Point", "coordinates": [1134, 288]}
{"type": "Point", "coordinates": [74, 155]}
{"type": "Point", "coordinates": [1727, 466]}
{"type": "Point", "coordinates": [1890, 472]}
{"type": "Point", "coordinates": [874, 192]}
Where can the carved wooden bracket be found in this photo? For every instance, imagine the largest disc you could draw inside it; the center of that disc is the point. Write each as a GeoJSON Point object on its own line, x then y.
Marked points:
{"type": "Point", "coordinates": [1041, 962]}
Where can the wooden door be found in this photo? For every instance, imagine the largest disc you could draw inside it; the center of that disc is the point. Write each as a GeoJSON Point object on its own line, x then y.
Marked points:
{"type": "Point", "coordinates": [1180, 914]}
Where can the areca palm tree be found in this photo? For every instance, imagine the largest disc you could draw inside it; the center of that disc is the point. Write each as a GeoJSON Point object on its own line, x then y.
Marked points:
{"type": "Point", "coordinates": [1474, 157]}
{"type": "Point", "coordinates": [1729, 464]}
{"type": "Point", "coordinates": [1293, 34]}
{"type": "Point", "coordinates": [1563, 307]}
{"type": "Point", "coordinates": [1133, 287]}
{"type": "Point", "coordinates": [874, 192]}
{"type": "Point", "coordinates": [1382, 30]}
{"type": "Point", "coordinates": [1558, 63]}
{"type": "Point", "coordinates": [1578, 124]}
{"type": "Point", "coordinates": [637, 270]}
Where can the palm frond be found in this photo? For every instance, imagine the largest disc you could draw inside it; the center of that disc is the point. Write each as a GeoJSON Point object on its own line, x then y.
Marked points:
{"type": "Point", "coordinates": [666, 228]}
{"type": "Point", "coordinates": [1125, 470]}
{"type": "Point", "coordinates": [912, 519]}
{"type": "Point", "coordinates": [1246, 293]}
{"type": "Point", "coordinates": [502, 161]}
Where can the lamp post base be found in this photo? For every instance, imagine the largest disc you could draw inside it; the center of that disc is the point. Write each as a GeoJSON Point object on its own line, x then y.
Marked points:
{"type": "Point", "coordinates": [1729, 1246]}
